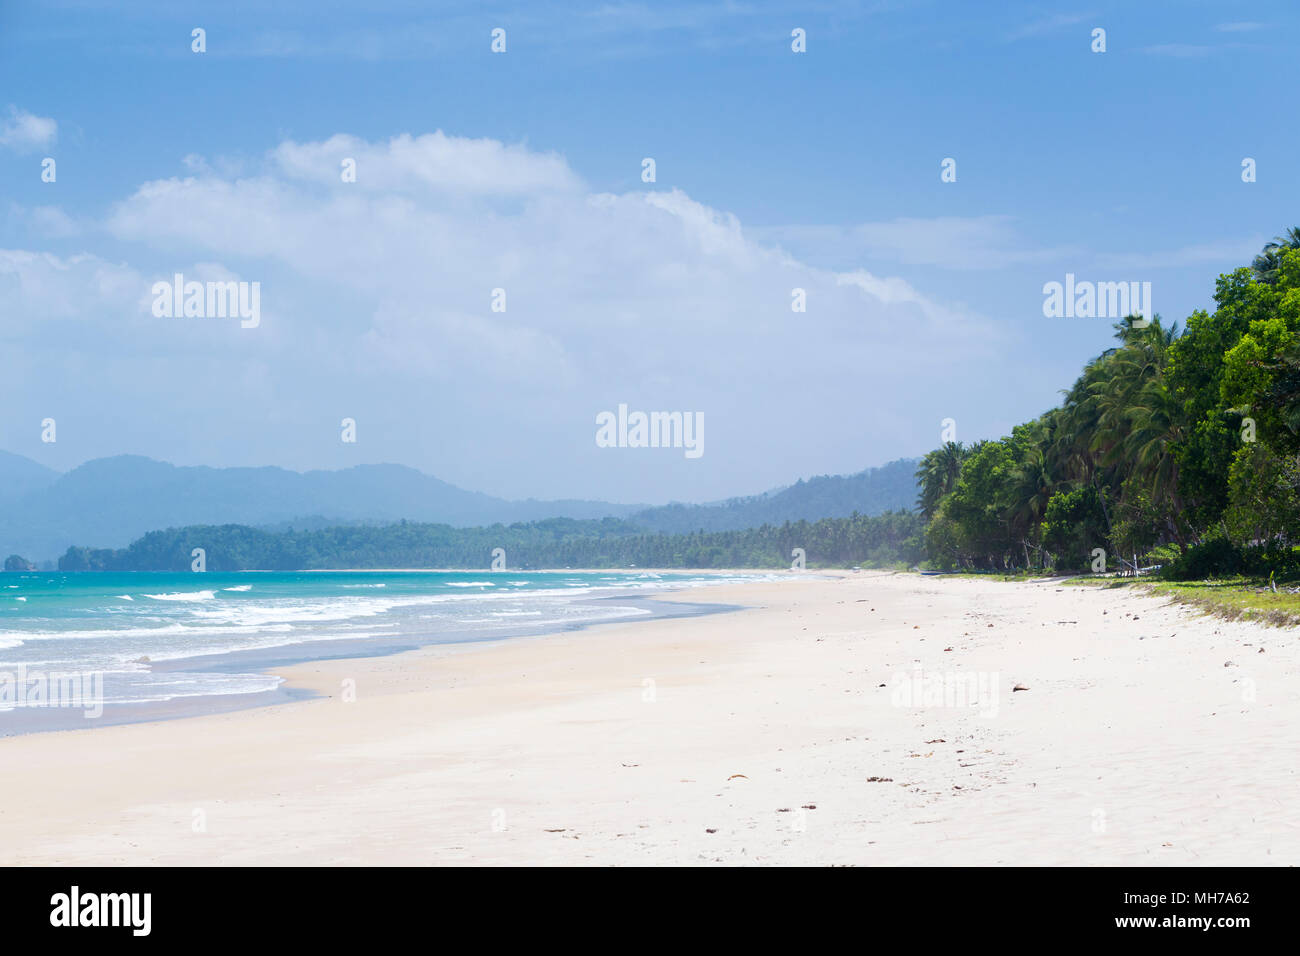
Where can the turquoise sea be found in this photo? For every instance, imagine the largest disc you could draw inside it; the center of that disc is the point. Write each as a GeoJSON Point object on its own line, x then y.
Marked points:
{"type": "Point", "coordinates": [164, 636]}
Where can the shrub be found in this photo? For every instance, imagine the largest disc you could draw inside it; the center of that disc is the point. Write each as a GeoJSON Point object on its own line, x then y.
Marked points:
{"type": "Point", "coordinates": [1216, 557]}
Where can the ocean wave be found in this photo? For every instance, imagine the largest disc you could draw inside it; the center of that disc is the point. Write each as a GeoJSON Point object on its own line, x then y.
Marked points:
{"type": "Point", "coordinates": [566, 616]}
{"type": "Point", "coordinates": [184, 596]}
{"type": "Point", "coordinates": [252, 615]}
{"type": "Point", "coordinates": [64, 665]}
{"type": "Point", "coordinates": [117, 636]}
{"type": "Point", "coordinates": [255, 641]}
{"type": "Point", "coordinates": [325, 610]}
{"type": "Point", "coordinates": [166, 630]}
{"type": "Point", "coordinates": [205, 685]}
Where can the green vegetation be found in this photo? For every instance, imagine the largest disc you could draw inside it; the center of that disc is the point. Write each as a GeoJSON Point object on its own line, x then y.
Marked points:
{"type": "Point", "coordinates": [1178, 448]}
{"type": "Point", "coordinates": [1236, 599]}
{"type": "Point", "coordinates": [881, 541]}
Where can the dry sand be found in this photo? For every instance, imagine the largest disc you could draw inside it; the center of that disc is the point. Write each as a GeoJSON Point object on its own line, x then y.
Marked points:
{"type": "Point", "coordinates": [756, 737]}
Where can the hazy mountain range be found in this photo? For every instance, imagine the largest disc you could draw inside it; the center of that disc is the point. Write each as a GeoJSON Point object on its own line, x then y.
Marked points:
{"type": "Point", "coordinates": [108, 502]}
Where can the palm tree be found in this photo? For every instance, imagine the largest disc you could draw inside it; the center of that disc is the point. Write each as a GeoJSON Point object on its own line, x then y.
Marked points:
{"type": "Point", "coordinates": [1269, 260]}
{"type": "Point", "coordinates": [1157, 424]}
{"type": "Point", "coordinates": [1090, 439]}
{"type": "Point", "coordinates": [1072, 455]}
{"type": "Point", "coordinates": [938, 474]}
{"type": "Point", "coordinates": [1032, 481]}
{"type": "Point", "coordinates": [1138, 362]}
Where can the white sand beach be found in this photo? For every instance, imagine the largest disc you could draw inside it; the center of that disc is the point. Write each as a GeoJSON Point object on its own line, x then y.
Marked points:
{"type": "Point", "coordinates": [1148, 735]}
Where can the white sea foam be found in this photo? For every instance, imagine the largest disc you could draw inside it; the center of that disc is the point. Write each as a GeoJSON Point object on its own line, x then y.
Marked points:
{"type": "Point", "coordinates": [177, 685]}
{"type": "Point", "coordinates": [201, 623]}
{"type": "Point", "coordinates": [167, 631]}
{"type": "Point", "coordinates": [184, 596]}
{"type": "Point", "coordinates": [252, 615]}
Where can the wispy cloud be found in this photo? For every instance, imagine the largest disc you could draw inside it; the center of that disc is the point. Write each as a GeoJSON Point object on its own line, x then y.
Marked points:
{"type": "Point", "coordinates": [1048, 25]}
{"type": "Point", "coordinates": [946, 242]}
{"type": "Point", "coordinates": [49, 222]}
{"type": "Point", "coordinates": [1226, 254]}
{"type": "Point", "coordinates": [24, 131]}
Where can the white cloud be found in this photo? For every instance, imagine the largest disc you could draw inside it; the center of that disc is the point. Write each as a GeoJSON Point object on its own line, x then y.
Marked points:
{"type": "Point", "coordinates": [1048, 25]}
{"type": "Point", "coordinates": [434, 162]}
{"type": "Point", "coordinates": [52, 222]}
{"type": "Point", "coordinates": [40, 286]}
{"type": "Point", "coordinates": [23, 131]}
{"type": "Point", "coordinates": [376, 304]}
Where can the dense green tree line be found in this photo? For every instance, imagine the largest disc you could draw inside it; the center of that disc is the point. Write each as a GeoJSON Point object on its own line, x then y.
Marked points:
{"type": "Point", "coordinates": [1180, 446]}
{"type": "Point", "coordinates": [882, 540]}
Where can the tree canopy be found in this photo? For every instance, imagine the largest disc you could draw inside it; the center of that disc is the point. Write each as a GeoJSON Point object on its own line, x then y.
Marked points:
{"type": "Point", "coordinates": [1174, 439]}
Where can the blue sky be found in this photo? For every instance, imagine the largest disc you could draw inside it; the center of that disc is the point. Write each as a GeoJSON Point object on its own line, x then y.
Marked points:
{"type": "Point", "coordinates": [774, 169]}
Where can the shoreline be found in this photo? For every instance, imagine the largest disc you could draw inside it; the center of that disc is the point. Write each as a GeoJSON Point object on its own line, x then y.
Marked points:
{"type": "Point", "coordinates": [762, 736]}
{"type": "Point", "coordinates": [612, 570]}
{"type": "Point", "coordinates": [266, 661]}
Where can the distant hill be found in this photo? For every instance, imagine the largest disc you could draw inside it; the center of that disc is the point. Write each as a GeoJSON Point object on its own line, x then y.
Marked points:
{"type": "Point", "coordinates": [891, 487]}
{"type": "Point", "coordinates": [21, 476]}
{"type": "Point", "coordinates": [108, 502]}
